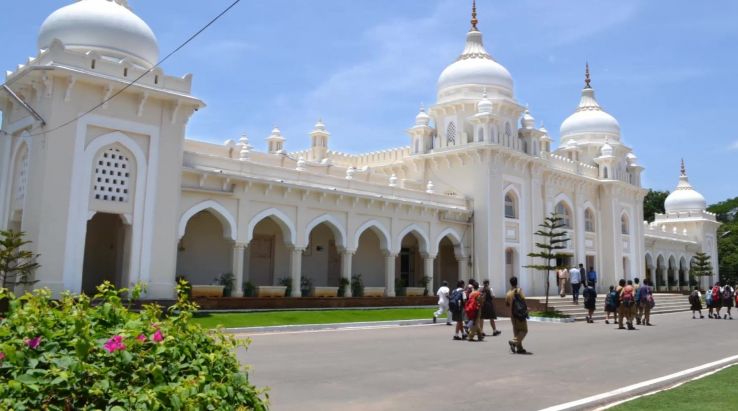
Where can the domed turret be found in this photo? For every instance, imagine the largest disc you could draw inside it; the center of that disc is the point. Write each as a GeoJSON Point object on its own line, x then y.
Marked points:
{"type": "Point", "coordinates": [422, 119]}
{"type": "Point", "coordinates": [684, 197]}
{"type": "Point", "coordinates": [589, 118]}
{"type": "Point", "coordinates": [108, 27]}
{"type": "Point", "coordinates": [528, 121]}
{"type": "Point", "coordinates": [485, 105]}
{"type": "Point", "coordinates": [606, 150]}
{"type": "Point", "coordinates": [475, 67]}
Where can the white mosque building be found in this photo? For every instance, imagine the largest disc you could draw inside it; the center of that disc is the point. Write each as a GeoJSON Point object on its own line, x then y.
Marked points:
{"type": "Point", "coordinates": [119, 193]}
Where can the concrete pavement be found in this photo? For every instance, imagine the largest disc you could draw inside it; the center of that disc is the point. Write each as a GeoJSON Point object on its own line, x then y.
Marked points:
{"type": "Point", "coordinates": [420, 367]}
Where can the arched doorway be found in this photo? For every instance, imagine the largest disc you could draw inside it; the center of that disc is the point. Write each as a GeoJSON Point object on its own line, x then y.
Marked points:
{"type": "Point", "coordinates": [661, 277]}
{"type": "Point", "coordinates": [409, 263]}
{"type": "Point", "coordinates": [626, 268]}
{"type": "Point", "coordinates": [369, 260]}
{"type": "Point", "coordinates": [106, 252]}
{"type": "Point", "coordinates": [447, 264]}
{"type": "Point", "coordinates": [269, 254]}
{"type": "Point", "coordinates": [204, 253]}
{"type": "Point", "coordinates": [511, 264]}
{"type": "Point", "coordinates": [321, 261]}
{"type": "Point", "coordinates": [649, 267]}
{"type": "Point", "coordinates": [684, 280]}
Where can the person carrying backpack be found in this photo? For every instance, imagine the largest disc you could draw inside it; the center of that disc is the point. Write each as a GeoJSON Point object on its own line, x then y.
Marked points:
{"type": "Point", "coordinates": [456, 306]}
{"type": "Point", "coordinates": [488, 309]}
{"type": "Point", "coordinates": [518, 316]}
{"type": "Point", "coordinates": [474, 313]}
{"type": "Point", "coordinates": [695, 302]}
{"type": "Point", "coordinates": [717, 302]}
{"type": "Point", "coordinates": [590, 300]}
{"type": "Point", "coordinates": [611, 305]}
{"type": "Point", "coordinates": [708, 301]}
{"type": "Point", "coordinates": [646, 301]}
{"type": "Point", "coordinates": [639, 306]}
{"type": "Point", "coordinates": [727, 300]}
{"type": "Point", "coordinates": [627, 309]}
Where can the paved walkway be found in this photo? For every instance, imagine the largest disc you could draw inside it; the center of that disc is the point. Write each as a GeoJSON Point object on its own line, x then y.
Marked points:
{"type": "Point", "coordinates": [420, 367]}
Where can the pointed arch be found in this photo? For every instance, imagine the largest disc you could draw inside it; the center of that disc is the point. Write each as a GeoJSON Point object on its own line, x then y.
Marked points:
{"type": "Point", "coordinates": [289, 233]}
{"type": "Point", "coordinates": [455, 239]}
{"type": "Point", "coordinates": [625, 223]}
{"type": "Point", "coordinates": [338, 229]}
{"type": "Point", "coordinates": [511, 198]}
{"type": "Point", "coordinates": [379, 229]}
{"type": "Point", "coordinates": [217, 210]}
{"type": "Point", "coordinates": [419, 233]}
{"type": "Point", "coordinates": [564, 209]}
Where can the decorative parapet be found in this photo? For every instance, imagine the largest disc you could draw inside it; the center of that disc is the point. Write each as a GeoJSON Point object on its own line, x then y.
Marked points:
{"type": "Point", "coordinates": [666, 231]}
{"type": "Point", "coordinates": [562, 163]}
{"type": "Point", "coordinates": [685, 215]}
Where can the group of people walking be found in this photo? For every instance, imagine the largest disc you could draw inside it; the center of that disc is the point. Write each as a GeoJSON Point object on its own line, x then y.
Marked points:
{"type": "Point", "coordinates": [717, 297]}
{"type": "Point", "coordinates": [629, 301]}
{"type": "Point", "coordinates": [468, 306]}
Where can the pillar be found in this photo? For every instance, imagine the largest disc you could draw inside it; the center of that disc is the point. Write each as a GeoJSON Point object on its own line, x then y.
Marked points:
{"type": "Point", "coordinates": [296, 271]}
{"type": "Point", "coordinates": [238, 251]}
{"type": "Point", "coordinates": [389, 274]}
{"type": "Point", "coordinates": [463, 265]}
{"type": "Point", "coordinates": [346, 259]}
{"type": "Point", "coordinates": [428, 262]}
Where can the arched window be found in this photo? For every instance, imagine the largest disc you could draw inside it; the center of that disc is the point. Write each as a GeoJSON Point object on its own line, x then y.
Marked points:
{"type": "Point", "coordinates": [624, 226]}
{"type": "Point", "coordinates": [589, 223]}
{"type": "Point", "coordinates": [112, 176]}
{"type": "Point", "coordinates": [605, 173]}
{"type": "Point", "coordinates": [525, 147]}
{"type": "Point", "coordinates": [511, 206]}
{"type": "Point", "coordinates": [451, 134]}
{"type": "Point", "coordinates": [20, 176]}
{"type": "Point", "coordinates": [564, 213]}
{"type": "Point", "coordinates": [480, 135]}
{"type": "Point", "coordinates": [417, 146]}
{"type": "Point", "coordinates": [508, 134]}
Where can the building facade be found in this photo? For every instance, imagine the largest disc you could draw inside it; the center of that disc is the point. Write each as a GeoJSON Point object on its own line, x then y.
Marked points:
{"type": "Point", "coordinates": [118, 193]}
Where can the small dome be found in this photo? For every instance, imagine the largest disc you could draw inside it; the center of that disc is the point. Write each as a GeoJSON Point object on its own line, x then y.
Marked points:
{"type": "Point", "coordinates": [590, 118]}
{"type": "Point", "coordinates": [485, 105]}
{"type": "Point", "coordinates": [606, 149]}
{"type": "Point", "coordinates": [528, 121]}
{"type": "Point", "coordinates": [475, 67]}
{"type": "Point", "coordinates": [684, 197]}
{"type": "Point", "coordinates": [631, 158]}
{"type": "Point", "coordinates": [422, 119]}
{"type": "Point", "coordinates": [108, 27]}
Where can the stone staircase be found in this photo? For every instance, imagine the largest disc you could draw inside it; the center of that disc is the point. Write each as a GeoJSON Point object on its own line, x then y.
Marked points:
{"type": "Point", "coordinates": [665, 303]}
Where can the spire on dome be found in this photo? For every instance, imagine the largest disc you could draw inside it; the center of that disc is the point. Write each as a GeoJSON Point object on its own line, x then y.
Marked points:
{"type": "Point", "coordinates": [587, 79]}
{"type": "Point", "coordinates": [474, 20]}
{"type": "Point", "coordinates": [683, 169]}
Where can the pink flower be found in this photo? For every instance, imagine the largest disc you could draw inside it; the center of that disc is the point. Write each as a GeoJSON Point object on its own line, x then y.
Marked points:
{"type": "Point", "coordinates": [2, 356]}
{"type": "Point", "coordinates": [33, 343]}
{"type": "Point", "coordinates": [141, 338]}
{"type": "Point", "coordinates": [158, 336]}
{"type": "Point", "coordinates": [114, 344]}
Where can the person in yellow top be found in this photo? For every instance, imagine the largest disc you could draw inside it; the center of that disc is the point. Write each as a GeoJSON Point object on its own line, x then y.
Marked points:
{"type": "Point", "coordinates": [519, 319]}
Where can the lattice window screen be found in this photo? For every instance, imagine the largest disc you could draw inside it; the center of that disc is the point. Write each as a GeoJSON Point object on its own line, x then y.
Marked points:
{"type": "Point", "coordinates": [451, 133]}
{"type": "Point", "coordinates": [112, 176]}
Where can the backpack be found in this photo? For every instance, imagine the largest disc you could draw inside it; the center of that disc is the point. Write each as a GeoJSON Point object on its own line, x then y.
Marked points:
{"type": "Point", "coordinates": [648, 298]}
{"type": "Point", "coordinates": [708, 298]}
{"type": "Point", "coordinates": [727, 294]}
{"type": "Point", "coordinates": [693, 298]}
{"type": "Point", "coordinates": [455, 301]}
{"type": "Point", "coordinates": [716, 294]}
{"type": "Point", "coordinates": [627, 296]}
{"type": "Point", "coordinates": [472, 305]}
{"type": "Point", "coordinates": [519, 308]}
{"type": "Point", "coordinates": [639, 295]}
{"type": "Point", "coordinates": [613, 297]}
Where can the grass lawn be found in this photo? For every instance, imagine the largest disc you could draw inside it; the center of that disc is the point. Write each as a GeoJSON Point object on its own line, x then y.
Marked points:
{"type": "Point", "coordinates": [715, 392]}
{"type": "Point", "coordinates": [270, 318]}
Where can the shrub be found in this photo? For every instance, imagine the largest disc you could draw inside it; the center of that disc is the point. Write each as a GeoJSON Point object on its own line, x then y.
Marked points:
{"type": "Point", "coordinates": [226, 280]}
{"type": "Point", "coordinates": [81, 353]}
{"type": "Point", "coordinates": [286, 282]}
{"type": "Point", "coordinates": [249, 289]}
{"type": "Point", "coordinates": [343, 285]}
{"type": "Point", "coordinates": [357, 286]}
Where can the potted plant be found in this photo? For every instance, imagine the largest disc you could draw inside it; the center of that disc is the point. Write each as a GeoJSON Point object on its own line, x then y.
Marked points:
{"type": "Point", "coordinates": [249, 290]}
{"type": "Point", "coordinates": [226, 280]}
{"type": "Point", "coordinates": [425, 282]}
{"type": "Point", "coordinates": [343, 285]}
{"type": "Point", "coordinates": [357, 286]}
{"type": "Point", "coordinates": [306, 284]}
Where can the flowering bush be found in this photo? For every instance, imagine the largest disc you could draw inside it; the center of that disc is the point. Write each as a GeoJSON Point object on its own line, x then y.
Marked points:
{"type": "Point", "coordinates": [81, 353]}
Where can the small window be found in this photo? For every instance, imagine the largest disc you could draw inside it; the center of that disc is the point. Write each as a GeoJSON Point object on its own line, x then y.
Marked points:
{"type": "Point", "coordinates": [564, 213]}
{"type": "Point", "coordinates": [125, 72]}
{"type": "Point", "coordinates": [156, 79]}
{"type": "Point", "coordinates": [624, 225]}
{"type": "Point", "coordinates": [451, 134]}
{"type": "Point", "coordinates": [480, 135]}
{"type": "Point", "coordinates": [511, 207]}
{"type": "Point", "coordinates": [589, 224]}
{"type": "Point", "coordinates": [112, 189]}
{"type": "Point", "coordinates": [93, 63]}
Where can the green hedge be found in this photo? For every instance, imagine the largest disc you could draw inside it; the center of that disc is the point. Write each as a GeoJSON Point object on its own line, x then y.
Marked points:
{"type": "Point", "coordinates": [78, 353]}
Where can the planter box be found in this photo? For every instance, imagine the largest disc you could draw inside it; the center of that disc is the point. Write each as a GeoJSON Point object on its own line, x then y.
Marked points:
{"type": "Point", "coordinates": [271, 290]}
{"type": "Point", "coordinates": [325, 292]}
{"type": "Point", "coordinates": [414, 291]}
{"type": "Point", "coordinates": [207, 291]}
{"type": "Point", "coordinates": [373, 291]}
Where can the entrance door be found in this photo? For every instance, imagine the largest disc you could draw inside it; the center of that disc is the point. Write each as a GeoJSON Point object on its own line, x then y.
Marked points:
{"type": "Point", "coordinates": [261, 260]}
{"type": "Point", "coordinates": [105, 249]}
{"type": "Point", "coordinates": [407, 267]}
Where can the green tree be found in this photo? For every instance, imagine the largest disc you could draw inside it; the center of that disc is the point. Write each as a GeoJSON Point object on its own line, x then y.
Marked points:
{"type": "Point", "coordinates": [701, 266]}
{"type": "Point", "coordinates": [727, 214]}
{"type": "Point", "coordinates": [654, 203]}
{"type": "Point", "coordinates": [553, 239]}
{"type": "Point", "coordinates": [16, 264]}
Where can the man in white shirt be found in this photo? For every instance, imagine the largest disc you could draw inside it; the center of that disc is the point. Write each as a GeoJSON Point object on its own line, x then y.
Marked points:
{"type": "Point", "coordinates": [575, 277]}
{"type": "Point", "coordinates": [443, 293]}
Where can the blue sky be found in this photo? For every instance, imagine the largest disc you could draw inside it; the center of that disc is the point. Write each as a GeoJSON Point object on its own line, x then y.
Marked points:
{"type": "Point", "coordinates": [665, 69]}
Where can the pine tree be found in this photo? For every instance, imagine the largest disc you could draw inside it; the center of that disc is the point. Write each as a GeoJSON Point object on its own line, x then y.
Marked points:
{"type": "Point", "coordinates": [16, 264]}
{"type": "Point", "coordinates": [553, 239]}
{"type": "Point", "coordinates": [701, 266]}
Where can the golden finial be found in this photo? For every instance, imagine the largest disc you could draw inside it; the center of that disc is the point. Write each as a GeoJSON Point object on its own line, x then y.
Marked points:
{"type": "Point", "coordinates": [587, 79]}
{"type": "Point", "coordinates": [684, 169]}
{"type": "Point", "coordinates": [474, 20]}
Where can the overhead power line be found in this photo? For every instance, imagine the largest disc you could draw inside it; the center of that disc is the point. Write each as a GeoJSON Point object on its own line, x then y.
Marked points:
{"type": "Point", "coordinates": [173, 52]}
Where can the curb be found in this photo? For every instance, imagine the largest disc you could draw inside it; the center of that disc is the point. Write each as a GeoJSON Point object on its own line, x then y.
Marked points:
{"type": "Point", "coordinates": [552, 320]}
{"type": "Point", "coordinates": [335, 326]}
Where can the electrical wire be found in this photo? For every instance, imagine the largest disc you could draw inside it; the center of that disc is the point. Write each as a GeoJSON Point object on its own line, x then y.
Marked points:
{"type": "Point", "coordinates": [181, 46]}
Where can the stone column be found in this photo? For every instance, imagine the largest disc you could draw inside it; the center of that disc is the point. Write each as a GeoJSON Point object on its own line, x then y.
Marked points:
{"type": "Point", "coordinates": [428, 261]}
{"type": "Point", "coordinates": [346, 260]}
{"type": "Point", "coordinates": [463, 265]}
{"type": "Point", "coordinates": [238, 251]}
{"type": "Point", "coordinates": [296, 271]}
{"type": "Point", "coordinates": [389, 274]}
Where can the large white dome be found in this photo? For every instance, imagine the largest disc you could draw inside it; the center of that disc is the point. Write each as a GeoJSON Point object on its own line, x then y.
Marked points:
{"type": "Point", "coordinates": [590, 118]}
{"type": "Point", "coordinates": [475, 67]}
{"type": "Point", "coordinates": [685, 197]}
{"type": "Point", "coordinates": [108, 27]}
